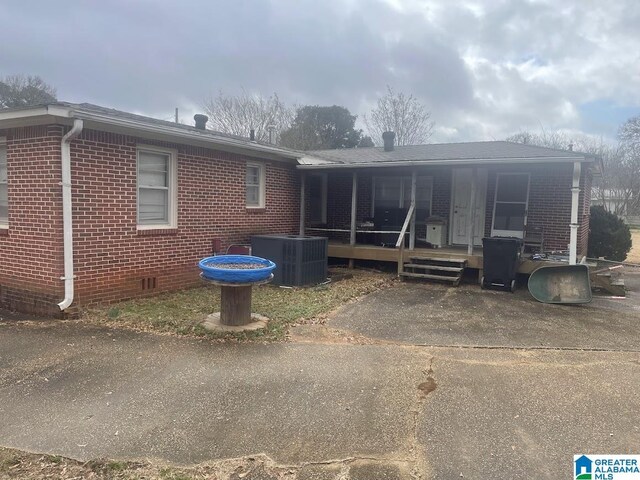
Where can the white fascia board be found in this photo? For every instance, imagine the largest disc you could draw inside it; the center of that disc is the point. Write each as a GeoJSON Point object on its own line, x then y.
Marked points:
{"type": "Point", "coordinates": [310, 160]}
{"type": "Point", "coordinates": [439, 163]}
{"type": "Point", "coordinates": [41, 115]}
{"type": "Point", "coordinates": [20, 114]}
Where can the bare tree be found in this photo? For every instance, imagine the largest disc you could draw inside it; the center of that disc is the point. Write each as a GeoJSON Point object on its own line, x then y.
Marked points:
{"type": "Point", "coordinates": [238, 114]}
{"type": "Point", "coordinates": [402, 114]}
{"type": "Point", "coordinates": [618, 189]}
{"type": "Point", "coordinates": [22, 91]}
{"type": "Point", "coordinates": [559, 140]}
{"type": "Point", "coordinates": [629, 132]}
{"type": "Point", "coordinates": [628, 166]}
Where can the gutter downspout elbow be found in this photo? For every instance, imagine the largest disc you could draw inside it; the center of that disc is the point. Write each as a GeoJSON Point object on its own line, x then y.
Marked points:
{"type": "Point", "coordinates": [67, 214]}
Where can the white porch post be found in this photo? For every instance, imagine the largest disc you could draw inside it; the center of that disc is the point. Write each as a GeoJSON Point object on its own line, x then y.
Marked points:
{"type": "Point", "coordinates": [303, 203]}
{"type": "Point", "coordinates": [354, 211]}
{"type": "Point", "coordinates": [575, 195]}
{"type": "Point", "coordinates": [471, 218]}
{"type": "Point", "coordinates": [354, 207]}
{"type": "Point", "coordinates": [412, 233]}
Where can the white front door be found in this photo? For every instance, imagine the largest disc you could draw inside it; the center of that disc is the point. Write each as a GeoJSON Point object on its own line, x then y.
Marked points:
{"type": "Point", "coordinates": [461, 199]}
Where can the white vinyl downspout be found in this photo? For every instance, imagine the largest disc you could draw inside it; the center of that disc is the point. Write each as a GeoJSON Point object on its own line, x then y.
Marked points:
{"type": "Point", "coordinates": [67, 219]}
{"type": "Point", "coordinates": [575, 195]}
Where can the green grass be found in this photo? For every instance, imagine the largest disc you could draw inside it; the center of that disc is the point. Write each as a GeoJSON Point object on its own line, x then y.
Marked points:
{"type": "Point", "coordinates": [7, 461]}
{"type": "Point", "coordinates": [54, 458]}
{"type": "Point", "coordinates": [170, 474]}
{"type": "Point", "coordinates": [183, 312]}
{"type": "Point", "coordinates": [116, 466]}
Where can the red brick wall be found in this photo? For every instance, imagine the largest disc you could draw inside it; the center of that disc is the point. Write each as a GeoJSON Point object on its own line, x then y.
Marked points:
{"type": "Point", "coordinates": [31, 261]}
{"type": "Point", "coordinates": [112, 258]}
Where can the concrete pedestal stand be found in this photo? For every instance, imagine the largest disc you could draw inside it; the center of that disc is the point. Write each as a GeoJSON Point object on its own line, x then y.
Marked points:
{"type": "Point", "coordinates": [235, 308]}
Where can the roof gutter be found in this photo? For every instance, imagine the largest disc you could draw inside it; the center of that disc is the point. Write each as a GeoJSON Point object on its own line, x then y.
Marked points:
{"type": "Point", "coordinates": [67, 214]}
{"type": "Point", "coordinates": [434, 163]}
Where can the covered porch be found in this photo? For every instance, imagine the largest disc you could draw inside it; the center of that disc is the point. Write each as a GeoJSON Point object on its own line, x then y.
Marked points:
{"type": "Point", "coordinates": [394, 214]}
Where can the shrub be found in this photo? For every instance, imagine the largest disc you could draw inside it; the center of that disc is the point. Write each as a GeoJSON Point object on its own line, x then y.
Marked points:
{"type": "Point", "coordinates": [609, 237]}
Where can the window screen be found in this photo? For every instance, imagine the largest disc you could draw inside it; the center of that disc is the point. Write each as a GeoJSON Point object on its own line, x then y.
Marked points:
{"type": "Point", "coordinates": [254, 185]}
{"type": "Point", "coordinates": [153, 187]}
{"type": "Point", "coordinates": [395, 192]}
{"type": "Point", "coordinates": [511, 202]}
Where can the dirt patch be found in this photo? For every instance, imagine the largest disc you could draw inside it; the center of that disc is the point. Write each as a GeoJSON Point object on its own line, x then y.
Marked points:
{"type": "Point", "coordinates": [317, 333]}
{"type": "Point", "coordinates": [15, 464]}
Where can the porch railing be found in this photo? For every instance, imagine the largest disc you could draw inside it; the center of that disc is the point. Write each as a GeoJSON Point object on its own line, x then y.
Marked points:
{"type": "Point", "coordinates": [403, 232]}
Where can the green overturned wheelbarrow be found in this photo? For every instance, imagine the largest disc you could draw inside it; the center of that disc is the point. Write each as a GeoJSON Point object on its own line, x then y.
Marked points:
{"type": "Point", "coordinates": [561, 284]}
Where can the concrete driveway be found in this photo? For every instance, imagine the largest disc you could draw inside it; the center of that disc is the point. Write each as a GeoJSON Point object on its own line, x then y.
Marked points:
{"type": "Point", "coordinates": [331, 404]}
{"type": "Point", "coordinates": [435, 314]}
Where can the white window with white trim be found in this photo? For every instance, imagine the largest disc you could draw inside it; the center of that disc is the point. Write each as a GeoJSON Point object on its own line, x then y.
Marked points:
{"type": "Point", "coordinates": [157, 188]}
{"type": "Point", "coordinates": [255, 185]}
{"type": "Point", "coordinates": [4, 186]}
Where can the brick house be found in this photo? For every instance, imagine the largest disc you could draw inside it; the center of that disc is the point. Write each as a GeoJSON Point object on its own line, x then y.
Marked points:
{"type": "Point", "coordinates": [148, 199]}
{"type": "Point", "coordinates": [98, 205]}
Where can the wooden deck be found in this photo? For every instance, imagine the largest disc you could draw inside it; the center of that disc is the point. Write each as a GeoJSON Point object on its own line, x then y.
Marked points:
{"type": "Point", "coordinates": [383, 254]}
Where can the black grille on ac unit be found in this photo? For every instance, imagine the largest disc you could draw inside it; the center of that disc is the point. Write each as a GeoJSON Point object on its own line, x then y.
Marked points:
{"type": "Point", "coordinates": [299, 260]}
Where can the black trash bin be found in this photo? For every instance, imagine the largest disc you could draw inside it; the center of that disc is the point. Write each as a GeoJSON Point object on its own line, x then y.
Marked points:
{"type": "Point", "coordinates": [500, 256]}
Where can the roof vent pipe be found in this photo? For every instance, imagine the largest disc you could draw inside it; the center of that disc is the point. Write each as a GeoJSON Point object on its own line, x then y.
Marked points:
{"type": "Point", "coordinates": [201, 121]}
{"type": "Point", "coordinates": [272, 131]}
{"type": "Point", "coordinates": [388, 138]}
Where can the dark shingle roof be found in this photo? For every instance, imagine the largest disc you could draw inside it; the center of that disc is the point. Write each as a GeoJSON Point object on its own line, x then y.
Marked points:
{"type": "Point", "coordinates": [209, 135]}
{"type": "Point", "coordinates": [112, 112]}
{"type": "Point", "coordinates": [443, 151]}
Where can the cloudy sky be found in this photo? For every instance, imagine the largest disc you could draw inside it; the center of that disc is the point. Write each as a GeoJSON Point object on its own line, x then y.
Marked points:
{"type": "Point", "coordinates": [484, 69]}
